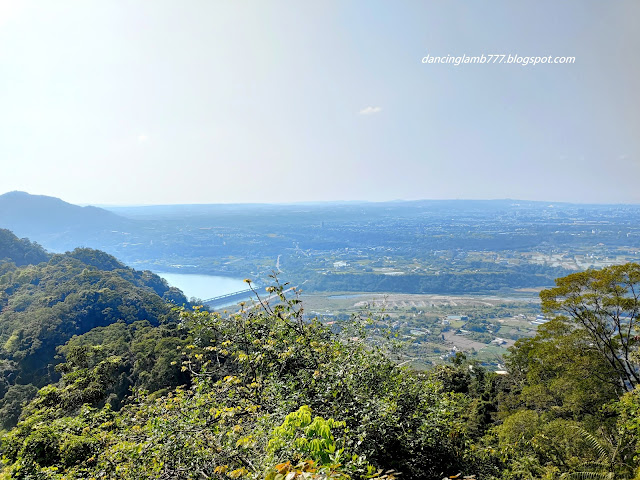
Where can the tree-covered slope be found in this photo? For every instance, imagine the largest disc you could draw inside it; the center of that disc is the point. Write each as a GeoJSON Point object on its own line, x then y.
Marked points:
{"type": "Point", "coordinates": [20, 251]}
{"type": "Point", "coordinates": [269, 388]}
{"type": "Point", "coordinates": [270, 394]}
{"type": "Point", "coordinates": [43, 306]}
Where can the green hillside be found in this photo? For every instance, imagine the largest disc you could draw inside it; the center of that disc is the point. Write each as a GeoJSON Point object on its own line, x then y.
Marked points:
{"type": "Point", "coordinates": [43, 306]}
{"type": "Point", "coordinates": [19, 251]}
{"type": "Point", "coordinates": [142, 391]}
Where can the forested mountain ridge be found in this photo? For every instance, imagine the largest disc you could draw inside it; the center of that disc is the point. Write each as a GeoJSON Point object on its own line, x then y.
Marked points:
{"type": "Point", "coordinates": [20, 251]}
{"type": "Point", "coordinates": [101, 378]}
{"type": "Point", "coordinates": [268, 394]}
{"type": "Point", "coordinates": [43, 306]}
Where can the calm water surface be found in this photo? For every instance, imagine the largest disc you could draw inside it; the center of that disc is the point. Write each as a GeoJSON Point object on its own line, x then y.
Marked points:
{"type": "Point", "coordinates": [203, 286]}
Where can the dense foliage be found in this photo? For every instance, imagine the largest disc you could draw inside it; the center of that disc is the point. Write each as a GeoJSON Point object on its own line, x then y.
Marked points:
{"type": "Point", "coordinates": [456, 283]}
{"type": "Point", "coordinates": [266, 393]}
{"type": "Point", "coordinates": [267, 387]}
{"type": "Point", "coordinates": [43, 306]}
{"type": "Point", "coordinates": [568, 413]}
{"type": "Point", "coordinates": [16, 251]}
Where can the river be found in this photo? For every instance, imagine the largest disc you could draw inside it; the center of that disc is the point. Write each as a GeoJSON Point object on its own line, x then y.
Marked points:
{"type": "Point", "coordinates": [203, 286]}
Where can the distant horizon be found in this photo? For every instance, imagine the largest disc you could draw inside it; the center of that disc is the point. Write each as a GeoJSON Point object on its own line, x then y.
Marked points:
{"type": "Point", "coordinates": [318, 202]}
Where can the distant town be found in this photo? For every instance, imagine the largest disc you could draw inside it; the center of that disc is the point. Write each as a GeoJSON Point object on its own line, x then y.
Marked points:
{"type": "Point", "coordinates": [445, 276]}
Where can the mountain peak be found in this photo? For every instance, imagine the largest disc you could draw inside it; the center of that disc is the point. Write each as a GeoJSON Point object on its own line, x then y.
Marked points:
{"type": "Point", "coordinates": [31, 215]}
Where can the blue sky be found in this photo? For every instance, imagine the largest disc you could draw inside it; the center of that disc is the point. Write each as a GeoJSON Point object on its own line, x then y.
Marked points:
{"type": "Point", "coordinates": [146, 102]}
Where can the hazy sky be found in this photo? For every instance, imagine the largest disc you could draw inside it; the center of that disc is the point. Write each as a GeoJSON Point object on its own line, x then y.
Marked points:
{"type": "Point", "coordinates": [141, 102]}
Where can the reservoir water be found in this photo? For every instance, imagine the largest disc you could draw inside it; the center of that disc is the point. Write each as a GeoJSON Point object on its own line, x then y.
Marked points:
{"type": "Point", "coordinates": [203, 286]}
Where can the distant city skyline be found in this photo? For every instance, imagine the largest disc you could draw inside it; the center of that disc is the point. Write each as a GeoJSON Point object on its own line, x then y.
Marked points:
{"type": "Point", "coordinates": [143, 103]}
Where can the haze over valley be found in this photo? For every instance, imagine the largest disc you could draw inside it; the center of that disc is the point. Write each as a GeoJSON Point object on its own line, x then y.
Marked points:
{"type": "Point", "coordinates": [426, 262]}
{"type": "Point", "coordinates": [458, 246]}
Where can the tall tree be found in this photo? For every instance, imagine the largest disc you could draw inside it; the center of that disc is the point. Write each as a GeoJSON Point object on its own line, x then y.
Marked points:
{"type": "Point", "coordinates": [605, 305]}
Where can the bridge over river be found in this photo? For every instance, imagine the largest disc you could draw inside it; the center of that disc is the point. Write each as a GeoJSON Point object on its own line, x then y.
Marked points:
{"type": "Point", "coordinates": [241, 296]}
